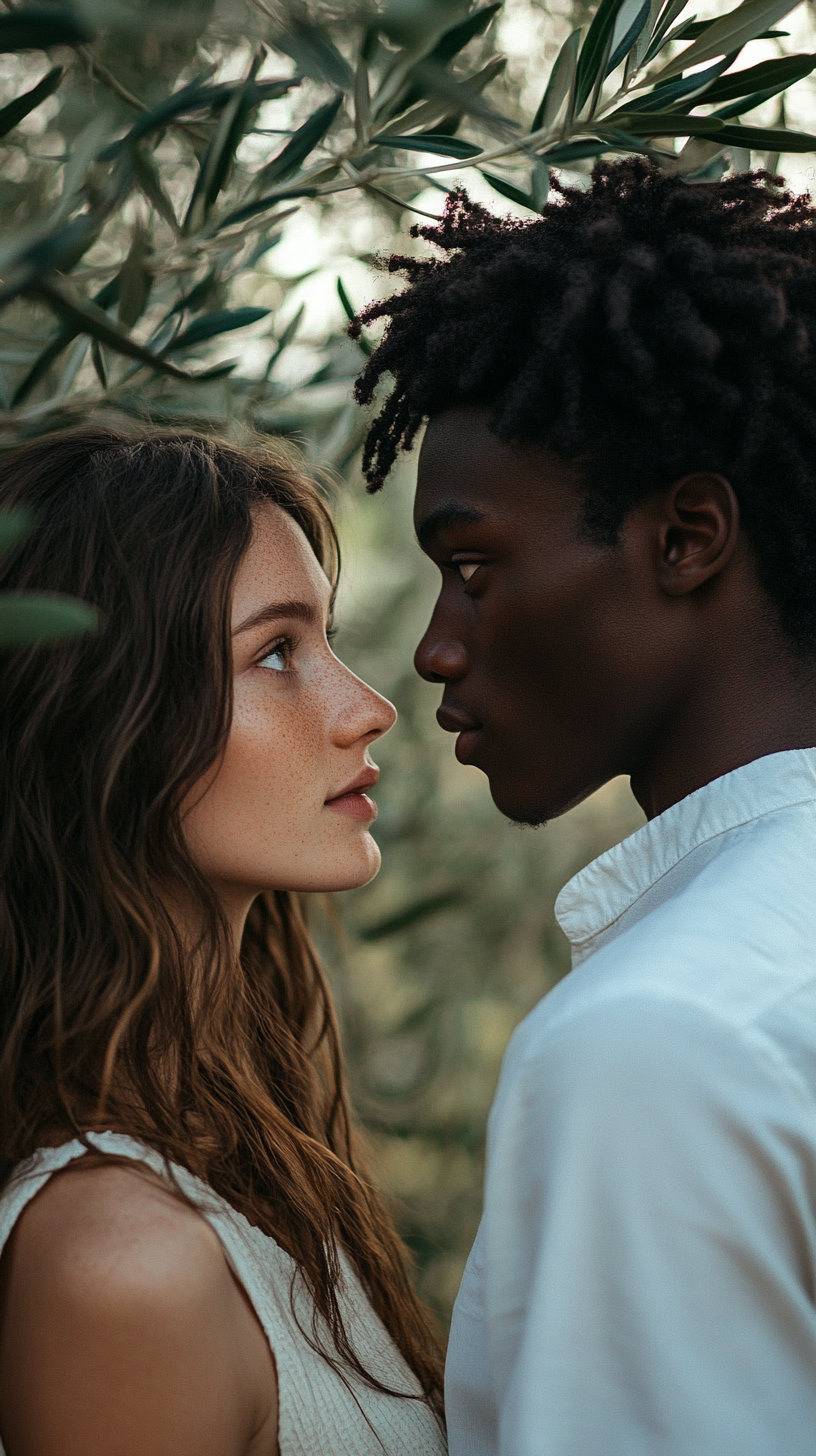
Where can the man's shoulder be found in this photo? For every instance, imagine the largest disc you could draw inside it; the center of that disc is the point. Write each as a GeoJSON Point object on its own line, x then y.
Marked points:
{"type": "Point", "coordinates": [735, 937]}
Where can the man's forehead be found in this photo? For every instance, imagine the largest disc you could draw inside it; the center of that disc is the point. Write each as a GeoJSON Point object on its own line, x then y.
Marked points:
{"type": "Point", "coordinates": [467, 475]}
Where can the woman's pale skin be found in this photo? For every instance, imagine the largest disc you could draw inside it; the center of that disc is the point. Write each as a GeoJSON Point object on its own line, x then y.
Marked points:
{"type": "Point", "coordinates": [122, 1330]}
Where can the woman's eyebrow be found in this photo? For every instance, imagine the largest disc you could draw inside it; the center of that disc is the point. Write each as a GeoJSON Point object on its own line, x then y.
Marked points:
{"type": "Point", "coordinates": [273, 611]}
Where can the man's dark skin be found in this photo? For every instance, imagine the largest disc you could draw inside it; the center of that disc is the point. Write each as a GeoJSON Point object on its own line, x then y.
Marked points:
{"type": "Point", "coordinates": [566, 662]}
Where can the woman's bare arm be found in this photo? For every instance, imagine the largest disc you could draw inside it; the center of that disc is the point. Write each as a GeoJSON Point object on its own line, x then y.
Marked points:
{"type": "Point", "coordinates": [123, 1331]}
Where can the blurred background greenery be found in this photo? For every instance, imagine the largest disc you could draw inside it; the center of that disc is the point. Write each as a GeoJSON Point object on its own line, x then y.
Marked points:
{"type": "Point", "coordinates": [193, 194]}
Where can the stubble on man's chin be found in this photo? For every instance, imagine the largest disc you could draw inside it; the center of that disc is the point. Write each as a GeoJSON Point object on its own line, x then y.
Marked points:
{"type": "Point", "coordinates": [531, 821]}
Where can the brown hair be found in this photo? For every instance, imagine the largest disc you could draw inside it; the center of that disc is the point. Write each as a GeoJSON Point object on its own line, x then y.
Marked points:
{"type": "Point", "coordinates": [100, 739]}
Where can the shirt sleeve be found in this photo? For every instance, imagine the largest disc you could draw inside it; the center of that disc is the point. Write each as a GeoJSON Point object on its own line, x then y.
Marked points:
{"type": "Point", "coordinates": [649, 1241]}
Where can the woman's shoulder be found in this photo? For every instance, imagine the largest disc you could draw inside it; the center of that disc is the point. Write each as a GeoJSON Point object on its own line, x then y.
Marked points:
{"type": "Point", "coordinates": [110, 1282]}
{"type": "Point", "coordinates": [112, 1228]}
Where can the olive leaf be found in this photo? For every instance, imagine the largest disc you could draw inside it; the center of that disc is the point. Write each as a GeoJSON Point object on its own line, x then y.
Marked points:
{"type": "Point", "coordinates": [595, 51]}
{"type": "Point", "coordinates": [223, 321]}
{"type": "Point", "coordinates": [39, 27]}
{"type": "Point", "coordinates": [33, 617]}
{"type": "Point", "coordinates": [560, 84]}
{"type": "Point", "coordinates": [506, 189]}
{"type": "Point", "coordinates": [14, 111]}
{"type": "Point", "coordinates": [730, 33]}
{"type": "Point", "coordinates": [298, 148]}
{"type": "Point", "coordinates": [15, 525]}
{"type": "Point", "coordinates": [443, 146]}
{"type": "Point", "coordinates": [315, 54]}
{"type": "Point", "coordinates": [769, 77]}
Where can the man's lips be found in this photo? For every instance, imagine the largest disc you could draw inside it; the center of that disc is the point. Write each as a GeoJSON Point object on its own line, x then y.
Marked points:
{"type": "Point", "coordinates": [352, 800]}
{"type": "Point", "coordinates": [454, 720]}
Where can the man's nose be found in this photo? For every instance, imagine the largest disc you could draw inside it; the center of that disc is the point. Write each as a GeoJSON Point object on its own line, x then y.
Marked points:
{"type": "Point", "coordinates": [440, 658]}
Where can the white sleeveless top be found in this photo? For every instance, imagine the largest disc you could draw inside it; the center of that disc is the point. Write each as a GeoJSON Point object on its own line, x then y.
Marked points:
{"type": "Point", "coordinates": [319, 1410]}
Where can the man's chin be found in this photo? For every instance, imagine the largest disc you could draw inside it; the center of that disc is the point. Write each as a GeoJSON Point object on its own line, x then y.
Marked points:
{"type": "Point", "coordinates": [533, 806]}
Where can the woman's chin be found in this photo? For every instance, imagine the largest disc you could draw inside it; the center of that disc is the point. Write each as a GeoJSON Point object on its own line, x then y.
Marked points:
{"type": "Point", "coordinates": [360, 868]}
{"type": "Point", "coordinates": [349, 869]}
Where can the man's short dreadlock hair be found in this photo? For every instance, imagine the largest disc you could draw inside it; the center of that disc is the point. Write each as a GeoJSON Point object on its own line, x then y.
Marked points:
{"type": "Point", "coordinates": [645, 326]}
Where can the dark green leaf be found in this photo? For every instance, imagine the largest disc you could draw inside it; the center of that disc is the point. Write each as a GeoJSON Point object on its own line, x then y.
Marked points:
{"type": "Point", "coordinates": [594, 49]}
{"type": "Point", "coordinates": [627, 40]}
{"type": "Point", "coordinates": [15, 525]}
{"type": "Point", "coordinates": [429, 141]}
{"type": "Point", "coordinates": [687, 89]}
{"type": "Point", "coordinates": [66, 335]}
{"type": "Point", "coordinates": [216, 97]}
{"type": "Point", "coordinates": [465, 98]}
{"type": "Point", "coordinates": [304, 141]}
{"type": "Point", "coordinates": [772, 76]}
{"type": "Point", "coordinates": [99, 363]}
{"type": "Point", "coordinates": [692, 29]}
{"type": "Point", "coordinates": [573, 152]}
{"type": "Point", "coordinates": [254, 209]}
{"type": "Point", "coordinates": [200, 294]}
{"type": "Point", "coordinates": [177, 104]}
{"type": "Point", "coordinates": [506, 189]}
{"type": "Point", "coordinates": [285, 340]}
{"type": "Point", "coordinates": [348, 308]}
{"type": "Point", "coordinates": [42, 617]}
{"type": "Point", "coordinates": [15, 110]}
{"type": "Point", "coordinates": [412, 914]}
{"type": "Point", "coordinates": [660, 35]}
{"type": "Point", "coordinates": [211, 324]}
{"type": "Point", "coordinates": [745, 104]}
{"type": "Point", "coordinates": [667, 123]}
{"type": "Point", "coordinates": [315, 54]}
{"type": "Point", "coordinates": [135, 281]}
{"type": "Point", "coordinates": [37, 28]}
{"type": "Point", "coordinates": [560, 83]}
{"type": "Point", "coordinates": [730, 33]}
{"type": "Point", "coordinates": [455, 39]}
{"type": "Point", "coordinates": [672, 123]}
{"type": "Point", "coordinates": [150, 183]}
{"type": "Point", "coordinates": [87, 318]}
{"type": "Point", "coordinates": [767, 139]}
{"type": "Point", "coordinates": [62, 249]}
{"type": "Point", "coordinates": [216, 164]}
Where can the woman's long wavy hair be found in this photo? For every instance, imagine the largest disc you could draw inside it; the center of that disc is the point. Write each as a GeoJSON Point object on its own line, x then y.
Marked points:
{"type": "Point", "coordinates": [101, 740]}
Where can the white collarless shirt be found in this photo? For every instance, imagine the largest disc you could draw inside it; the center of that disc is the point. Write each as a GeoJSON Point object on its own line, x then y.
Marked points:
{"type": "Point", "coordinates": [644, 1279]}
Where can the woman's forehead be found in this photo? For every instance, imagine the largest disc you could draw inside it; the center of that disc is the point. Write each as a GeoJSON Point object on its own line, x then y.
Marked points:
{"type": "Point", "coordinates": [279, 564]}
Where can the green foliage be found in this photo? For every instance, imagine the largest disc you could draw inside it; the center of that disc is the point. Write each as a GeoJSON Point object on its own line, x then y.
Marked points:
{"type": "Point", "coordinates": [28, 618]}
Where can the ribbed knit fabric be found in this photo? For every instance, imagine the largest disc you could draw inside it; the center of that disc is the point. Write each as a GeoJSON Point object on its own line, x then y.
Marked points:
{"type": "Point", "coordinates": [320, 1410]}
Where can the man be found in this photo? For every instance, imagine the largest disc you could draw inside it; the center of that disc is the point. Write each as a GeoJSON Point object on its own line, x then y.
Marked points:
{"type": "Point", "coordinates": [618, 484]}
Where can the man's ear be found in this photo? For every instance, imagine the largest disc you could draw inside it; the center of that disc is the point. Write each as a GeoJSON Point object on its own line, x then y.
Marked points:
{"type": "Point", "coordinates": [699, 527]}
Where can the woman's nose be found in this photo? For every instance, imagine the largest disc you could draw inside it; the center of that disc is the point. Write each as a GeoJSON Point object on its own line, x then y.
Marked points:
{"type": "Point", "coordinates": [439, 657]}
{"type": "Point", "coordinates": [364, 713]}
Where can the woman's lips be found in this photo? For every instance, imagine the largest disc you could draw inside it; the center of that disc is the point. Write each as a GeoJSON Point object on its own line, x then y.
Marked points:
{"type": "Point", "coordinates": [355, 805]}
{"type": "Point", "coordinates": [353, 801]}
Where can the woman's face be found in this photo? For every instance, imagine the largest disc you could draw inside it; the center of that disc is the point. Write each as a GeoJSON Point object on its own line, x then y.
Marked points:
{"type": "Point", "coordinates": [285, 808]}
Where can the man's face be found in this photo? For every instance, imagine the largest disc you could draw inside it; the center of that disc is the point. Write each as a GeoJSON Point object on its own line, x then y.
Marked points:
{"type": "Point", "coordinates": [560, 657]}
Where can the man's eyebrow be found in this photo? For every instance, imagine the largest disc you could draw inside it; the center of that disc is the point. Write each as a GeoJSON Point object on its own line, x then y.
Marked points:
{"type": "Point", "coordinates": [273, 611]}
{"type": "Point", "coordinates": [443, 518]}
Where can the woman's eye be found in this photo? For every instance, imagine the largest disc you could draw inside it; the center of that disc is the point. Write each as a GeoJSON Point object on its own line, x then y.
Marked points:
{"type": "Point", "coordinates": [466, 569]}
{"type": "Point", "coordinates": [276, 659]}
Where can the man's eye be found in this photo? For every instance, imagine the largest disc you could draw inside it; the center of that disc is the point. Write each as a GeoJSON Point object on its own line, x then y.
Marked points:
{"type": "Point", "coordinates": [277, 658]}
{"type": "Point", "coordinates": [466, 569]}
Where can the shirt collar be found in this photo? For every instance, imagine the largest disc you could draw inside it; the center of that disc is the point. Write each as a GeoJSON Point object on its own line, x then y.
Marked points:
{"type": "Point", "coordinates": [594, 899]}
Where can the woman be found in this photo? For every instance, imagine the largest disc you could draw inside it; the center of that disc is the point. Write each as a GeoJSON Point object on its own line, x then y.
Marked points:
{"type": "Point", "coordinates": [192, 1263]}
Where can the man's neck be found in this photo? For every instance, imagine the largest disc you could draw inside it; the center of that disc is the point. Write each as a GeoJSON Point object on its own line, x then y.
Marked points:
{"type": "Point", "coordinates": [756, 703]}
